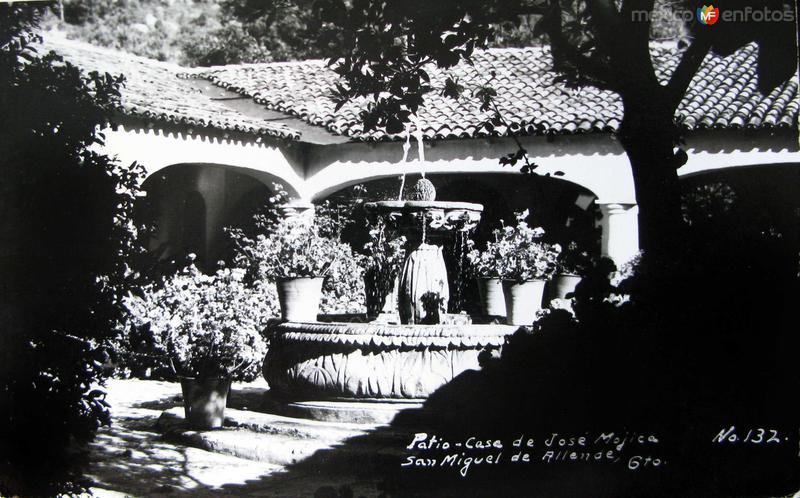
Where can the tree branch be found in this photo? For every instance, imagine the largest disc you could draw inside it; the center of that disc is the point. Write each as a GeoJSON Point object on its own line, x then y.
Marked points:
{"type": "Point", "coordinates": [638, 27]}
{"type": "Point", "coordinates": [566, 53]}
{"type": "Point", "coordinates": [607, 21]}
{"type": "Point", "coordinates": [687, 67]}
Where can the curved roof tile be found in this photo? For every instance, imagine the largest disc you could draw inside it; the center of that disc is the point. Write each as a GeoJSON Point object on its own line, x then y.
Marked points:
{"type": "Point", "coordinates": [723, 94]}
{"type": "Point", "coordinates": [154, 91]}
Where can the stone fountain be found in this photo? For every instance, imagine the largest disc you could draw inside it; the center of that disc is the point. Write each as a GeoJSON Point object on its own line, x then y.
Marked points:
{"type": "Point", "coordinates": [384, 361]}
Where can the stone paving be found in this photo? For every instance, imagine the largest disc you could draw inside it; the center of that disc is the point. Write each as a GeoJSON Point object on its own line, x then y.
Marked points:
{"type": "Point", "coordinates": [131, 458]}
{"type": "Point", "coordinates": [256, 454]}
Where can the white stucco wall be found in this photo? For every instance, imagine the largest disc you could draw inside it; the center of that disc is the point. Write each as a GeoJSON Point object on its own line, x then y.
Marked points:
{"type": "Point", "coordinates": [595, 162]}
{"type": "Point", "coordinates": [311, 172]}
{"type": "Point", "coordinates": [157, 148]}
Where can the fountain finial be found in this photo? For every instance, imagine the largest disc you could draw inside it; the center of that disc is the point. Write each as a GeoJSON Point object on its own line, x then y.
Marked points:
{"type": "Point", "coordinates": [423, 190]}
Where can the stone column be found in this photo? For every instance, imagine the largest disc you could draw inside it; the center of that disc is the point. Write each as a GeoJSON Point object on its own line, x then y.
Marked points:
{"type": "Point", "coordinates": [297, 208]}
{"type": "Point", "coordinates": [620, 225]}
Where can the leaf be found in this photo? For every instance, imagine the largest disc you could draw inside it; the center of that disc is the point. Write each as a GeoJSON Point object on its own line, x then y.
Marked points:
{"type": "Point", "coordinates": [452, 89]}
{"type": "Point", "coordinates": [394, 125]}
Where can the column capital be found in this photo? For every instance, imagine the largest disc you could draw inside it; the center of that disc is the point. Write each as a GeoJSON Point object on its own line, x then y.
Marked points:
{"type": "Point", "coordinates": [615, 207]}
{"type": "Point", "coordinates": [297, 207]}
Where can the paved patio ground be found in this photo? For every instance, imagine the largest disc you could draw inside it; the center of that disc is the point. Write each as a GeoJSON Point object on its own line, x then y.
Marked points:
{"type": "Point", "coordinates": [257, 455]}
{"type": "Point", "coordinates": [131, 458]}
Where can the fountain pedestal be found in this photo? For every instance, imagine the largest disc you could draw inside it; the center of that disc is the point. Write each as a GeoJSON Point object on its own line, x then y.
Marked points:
{"type": "Point", "coordinates": [424, 291]}
{"type": "Point", "coordinates": [378, 361]}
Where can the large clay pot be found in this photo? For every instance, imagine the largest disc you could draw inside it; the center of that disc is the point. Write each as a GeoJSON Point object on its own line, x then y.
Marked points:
{"type": "Point", "coordinates": [523, 300]}
{"type": "Point", "coordinates": [562, 285]}
{"type": "Point", "coordinates": [204, 401]}
{"type": "Point", "coordinates": [493, 302]}
{"type": "Point", "coordinates": [299, 298]}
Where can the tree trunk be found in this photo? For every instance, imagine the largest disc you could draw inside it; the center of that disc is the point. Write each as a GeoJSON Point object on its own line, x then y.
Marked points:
{"type": "Point", "coordinates": [648, 135]}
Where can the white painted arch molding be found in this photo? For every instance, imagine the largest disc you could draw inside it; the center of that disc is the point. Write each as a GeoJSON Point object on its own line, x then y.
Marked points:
{"type": "Point", "coordinates": [156, 149]}
{"type": "Point", "coordinates": [604, 170]}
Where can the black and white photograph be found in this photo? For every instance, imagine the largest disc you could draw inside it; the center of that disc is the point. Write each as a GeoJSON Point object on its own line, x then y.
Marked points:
{"type": "Point", "coordinates": [399, 248]}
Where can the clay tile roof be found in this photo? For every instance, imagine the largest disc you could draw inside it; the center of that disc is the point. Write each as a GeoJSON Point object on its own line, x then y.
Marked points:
{"type": "Point", "coordinates": [153, 91]}
{"type": "Point", "coordinates": [722, 95]}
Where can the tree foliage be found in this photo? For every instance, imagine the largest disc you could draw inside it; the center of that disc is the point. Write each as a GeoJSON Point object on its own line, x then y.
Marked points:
{"type": "Point", "coordinates": [269, 30]}
{"type": "Point", "coordinates": [212, 32]}
{"type": "Point", "coordinates": [150, 28]}
{"type": "Point", "coordinates": [389, 47]}
{"type": "Point", "coordinates": [66, 232]}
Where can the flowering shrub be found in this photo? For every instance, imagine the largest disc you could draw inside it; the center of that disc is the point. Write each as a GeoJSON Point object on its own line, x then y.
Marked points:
{"type": "Point", "coordinates": [343, 290]}
{"type": "Point", "coordinates": [294, 247]}
{"type": "Point", "coordinates": [483, 263]}
{"type": "Point", "coordinates": [518, 253]}
{"type": "Point", "coordinates": [205, 325]}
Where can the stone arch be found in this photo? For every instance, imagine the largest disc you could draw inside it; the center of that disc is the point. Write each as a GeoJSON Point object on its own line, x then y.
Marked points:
{"type": "Point", "coordinates": [605, 171]}
{"type": "Point", "coordinates": [500, 192]}
{"type": "Point", "coordinates": [174, 197]}
{"type": "Point", "coordinates": [160, 149]}
{"type": "Point", "coordinates": [763, 197]}
{"type": "Point", "coordinates": [266, 178]}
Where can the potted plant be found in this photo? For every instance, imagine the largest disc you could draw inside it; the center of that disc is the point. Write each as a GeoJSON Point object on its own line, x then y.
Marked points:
{"type": "Point", "coordinates": [207, 328]}
{"type": "Point", "coordinates": [484, 267]}
{"type": "Point", "coordinates": [524, 261]}
{"type": "Point", "coordinates": [384, 259]}
{"type": "Point", "coordinates": [297, 252]}
{"type": "Point", "coordinates": [571, 266]}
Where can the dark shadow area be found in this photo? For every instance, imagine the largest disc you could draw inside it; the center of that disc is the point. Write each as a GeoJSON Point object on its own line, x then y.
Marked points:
{"type": "Point", "coordinates": [704, 349]}
{"type": "Point", "coordinates": [681, 379]}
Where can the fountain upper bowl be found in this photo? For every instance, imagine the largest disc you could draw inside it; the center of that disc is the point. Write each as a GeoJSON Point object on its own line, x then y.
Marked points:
{"type": "Point", "coordinates": [423, 205]}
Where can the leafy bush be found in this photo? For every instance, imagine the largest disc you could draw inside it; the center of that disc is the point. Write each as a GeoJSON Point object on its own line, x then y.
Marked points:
{"type": "Point", "coordinates": [343, 291]}
{"type": "Point", "coordinates": [206, 325]}
{"type": "Point", "coordinates": [518, 253]}
{"type": "Point", "coordinates": [229, 44]}
{"type": "Point", "coordinates": [680, 349]}
{"type": "Point", "coordinates": [275, 246]}
{"type": "Point", "coordinates": [149, 28]}
{"type": "Point", "coordinates": [385, 256]}
{"type": "Point", "coordinates": [66, 233]}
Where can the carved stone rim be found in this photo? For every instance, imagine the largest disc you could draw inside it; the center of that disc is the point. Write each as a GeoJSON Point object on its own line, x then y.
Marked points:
{"type": "Point", "coordinates": [400, 330]}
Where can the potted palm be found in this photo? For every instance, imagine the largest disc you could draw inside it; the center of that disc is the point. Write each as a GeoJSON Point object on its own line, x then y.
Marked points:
{"type": "Point", "coordinates": [207, 328]}
{"type": "Point", "coordinates": [524, 261]}
{"type": "Point", "coordinates": [572, 264]}
{"type": "Point", "coordinates": [297, 253]}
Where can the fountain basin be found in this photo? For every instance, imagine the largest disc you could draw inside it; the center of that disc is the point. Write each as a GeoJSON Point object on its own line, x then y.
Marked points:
{"type": "Point", "coordinates": [373, 361]}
